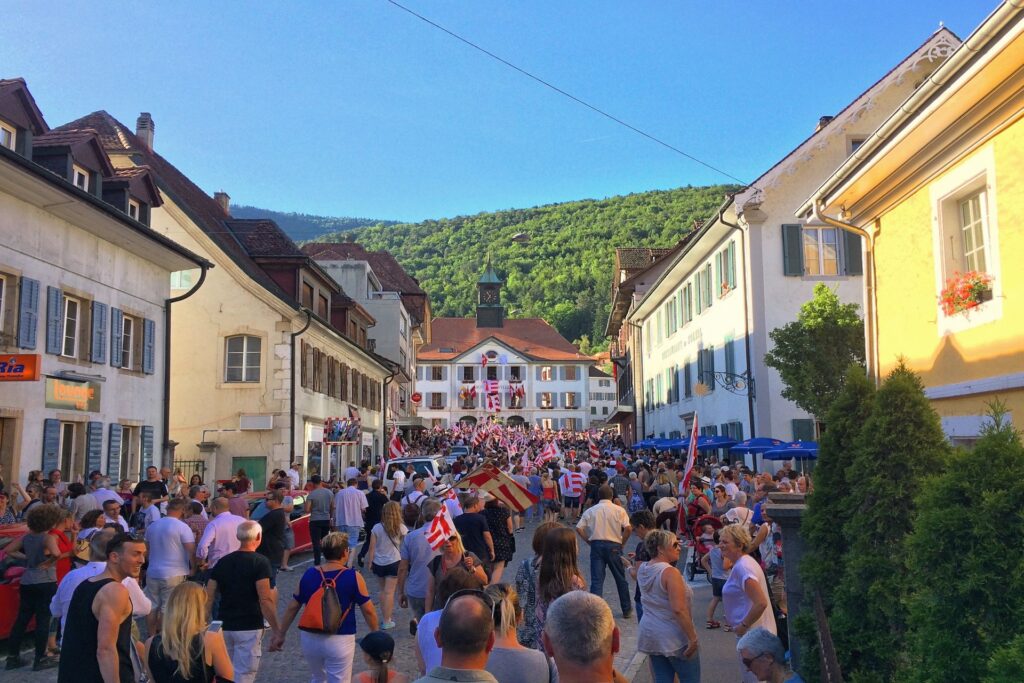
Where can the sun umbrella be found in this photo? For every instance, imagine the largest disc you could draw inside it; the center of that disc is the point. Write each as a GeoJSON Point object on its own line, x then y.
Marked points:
{"type": "Point", "coordinates": [758, 444]}
{"type": "Point", "coordinates": [797, 450]}
{"type": "Point", "coordinates": [710, 443]}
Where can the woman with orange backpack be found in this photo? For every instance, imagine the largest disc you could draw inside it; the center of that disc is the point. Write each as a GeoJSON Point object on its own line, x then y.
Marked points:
{"type": "Point", "coordinates": [327, 594]}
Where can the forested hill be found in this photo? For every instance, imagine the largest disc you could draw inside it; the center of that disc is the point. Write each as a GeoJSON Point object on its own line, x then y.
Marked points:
{"type": "Point", "coordinates": [563, 274]}
{"type": "Point", "coordinates": [304, 226]}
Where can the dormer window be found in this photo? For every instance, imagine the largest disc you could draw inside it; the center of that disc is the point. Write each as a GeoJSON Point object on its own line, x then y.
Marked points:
{"type": "Point", "coordinates": [134, 209]}
{"type": "Point", "coordinates": [80, 177]}
{"type": "Point", "coordinates": [7, 136]}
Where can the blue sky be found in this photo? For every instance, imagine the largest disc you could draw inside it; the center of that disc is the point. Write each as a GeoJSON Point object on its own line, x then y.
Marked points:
{"type": "Point", "coordinates": [356, 108]}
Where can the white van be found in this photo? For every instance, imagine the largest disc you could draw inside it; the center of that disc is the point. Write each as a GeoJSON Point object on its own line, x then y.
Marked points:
{"type": "Point", "coordinates": [434, 467]}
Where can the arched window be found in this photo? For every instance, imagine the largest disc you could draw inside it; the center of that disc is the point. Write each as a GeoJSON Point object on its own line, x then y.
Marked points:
{"type": "Point", "coordinates": [242, 358]}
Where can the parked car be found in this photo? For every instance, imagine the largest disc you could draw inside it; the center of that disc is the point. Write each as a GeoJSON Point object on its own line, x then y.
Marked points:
{"type": "Point", "coordinates": [435, 467]}
{"type": "Point", "coordinates": [456, 453]}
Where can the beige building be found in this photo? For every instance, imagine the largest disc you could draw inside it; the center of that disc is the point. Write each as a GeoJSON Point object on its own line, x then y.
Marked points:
{"type": "Point", "coordinates": [266, 349]}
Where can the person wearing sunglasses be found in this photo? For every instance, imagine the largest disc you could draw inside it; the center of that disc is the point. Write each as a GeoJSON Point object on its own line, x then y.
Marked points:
{"type": "Point", "coordinates": [763, 655]}
{"type": "Point", "coordinates": [666, 634]}
{"type": "Point", "coordinates": [465, 634]}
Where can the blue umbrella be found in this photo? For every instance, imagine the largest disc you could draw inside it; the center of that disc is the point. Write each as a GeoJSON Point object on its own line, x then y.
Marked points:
{"type": "Point", "coordinates": [710, 443]}
{"type": "Point", "coordinates": [798, 450]}
{"type": "Point", "coordinates": [646, 443]}
{"type": "Point", "coordinates": [666, 444]}
{"type": "Point", "coordinates": [758, 444]}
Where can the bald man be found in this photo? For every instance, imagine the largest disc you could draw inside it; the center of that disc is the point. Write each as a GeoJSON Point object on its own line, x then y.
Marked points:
{"type": "Point", "coordinates": [220, 536]}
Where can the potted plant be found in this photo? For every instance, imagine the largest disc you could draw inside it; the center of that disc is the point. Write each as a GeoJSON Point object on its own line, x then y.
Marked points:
{"type": "Point", "coordinates": [965, 291]}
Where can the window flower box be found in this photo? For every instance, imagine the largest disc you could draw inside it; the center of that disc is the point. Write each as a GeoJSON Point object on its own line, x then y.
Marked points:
{"type": "Point", "coordinates": [964, 292]}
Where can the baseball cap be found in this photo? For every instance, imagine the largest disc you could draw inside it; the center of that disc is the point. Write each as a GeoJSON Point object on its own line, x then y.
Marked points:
{"type": "Point", "coordinates": [378, 645]}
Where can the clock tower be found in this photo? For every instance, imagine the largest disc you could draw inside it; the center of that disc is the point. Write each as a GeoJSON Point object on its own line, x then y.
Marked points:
{"type": "Point", "coordinates": [489, 311]}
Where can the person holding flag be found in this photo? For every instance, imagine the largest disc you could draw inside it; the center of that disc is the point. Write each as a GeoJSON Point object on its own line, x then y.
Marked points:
{"type": "Point", "coordinates": [572, 484]}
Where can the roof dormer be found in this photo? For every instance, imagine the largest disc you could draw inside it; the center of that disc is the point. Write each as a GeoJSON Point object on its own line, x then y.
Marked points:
{"type": "Point", "coordinates": [76, 156]}
{"type": "Point", "coordinates": [132, 190]}
{"type": "Point", "coordinates": [20, 118]}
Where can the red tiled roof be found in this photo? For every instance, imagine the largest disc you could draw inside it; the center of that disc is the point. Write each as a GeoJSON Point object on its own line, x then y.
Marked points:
{"type": "Point", "coordinates": [631, 258]}
{"type": "Point", "coordinates": [62, 136]}
{"type": "Point", "coordinates": [532, 337]}
{"type": "Point", "coordinates": [262, 237]}
{"type": "Point", "coordinates": [16, 87]}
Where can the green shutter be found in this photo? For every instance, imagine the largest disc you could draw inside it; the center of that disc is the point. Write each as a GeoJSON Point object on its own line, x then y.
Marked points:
{"type": "Point", "coordinates": [719, 273]}
{"type": "Point", "coordinates": [730, 356]}
{"type": "Point", "coordinates": [851, 253]}
{"type": "Point", "coordinates": [687, 380]}
{"type": "Point", "coordinates": [803, 430]}
{"type": "Point", "coordinates": [792, 250]}
{"type": "Point", "coordinates": [732, 265]}
{"type": "Point", "coordinates": [98, 349]}
{"type": "Point", "coordinates": [148, 343]}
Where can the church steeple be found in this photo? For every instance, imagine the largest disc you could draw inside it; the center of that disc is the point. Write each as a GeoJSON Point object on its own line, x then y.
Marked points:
{"type": "Point", "coordinates": [489, 311]}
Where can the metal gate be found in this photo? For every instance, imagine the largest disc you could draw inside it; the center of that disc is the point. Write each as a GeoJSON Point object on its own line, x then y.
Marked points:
{"type": "Point", "coordinates": [190, 467]}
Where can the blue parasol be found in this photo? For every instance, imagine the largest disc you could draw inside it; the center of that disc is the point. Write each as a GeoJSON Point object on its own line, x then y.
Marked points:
{"type": "Point", "coordinates": [797, 450]}
{"type": "Point", "coordinates": [758, 444]}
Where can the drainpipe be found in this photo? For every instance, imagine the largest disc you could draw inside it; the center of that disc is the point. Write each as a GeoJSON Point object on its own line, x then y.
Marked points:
{"type": "Point", "coordinates": [167, 353]}
{"type": "Point", "coordinates": [746, 318]}
{"type": "Point", "coordinates": [291, 421]}
{"type": "Point", "coordinates": [871, 293]}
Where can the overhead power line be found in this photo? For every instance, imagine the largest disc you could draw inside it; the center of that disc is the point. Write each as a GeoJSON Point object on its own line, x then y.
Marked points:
{"type": "Point", "coordinates": [560, 91]}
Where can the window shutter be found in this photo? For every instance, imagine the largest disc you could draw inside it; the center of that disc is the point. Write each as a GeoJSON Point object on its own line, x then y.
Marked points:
{"type": "Point", "coordinates": [700, 366]}
{"type": "Point", "coordinates": [730, 356]}
{"type": "Point", "coordinates": [719, 273]}
{"type": "Point", "coordinates": [792, 250]}
{"type": "Point", "coordinates": [687, 380]}
{"type": "Point", "coordinates": [851, 253]}
{"type": "Point", "coordinates": [54, 316]}
{"type": "Point", "coordinates": [737, 431]}
{"type": "Point", "coordinates": [732, 265]}
{"type": "Point", "coordinates": [28, 312]}
{"type": "Point", "coordinates": [803, 430]}
{"type": "Point", "coordinates": [148, 341]}
{"type": "Point", "coordinates": [114, 450]}
{"type": "Point", "coordinates": [147, 447]}
{"type": "Point", "coordinates": [578, 397]}
{"type": "Point", "coordinates": [116, 327]}
{"type": "Point", "coordinates": [94, 447]}
{"type": "Point", "coordinates": [98, 350]}
{"type": "Point", "coordinates": [711, 369]}
{"type": "Point", "coordinates": [562, 374]}
{"type": "Point", "coordinates": [444, 373]}
{"type": "Point", "coordinates": [51, 444]}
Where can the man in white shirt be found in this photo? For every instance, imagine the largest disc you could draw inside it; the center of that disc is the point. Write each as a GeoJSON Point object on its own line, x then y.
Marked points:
{"type": "Point", "coordinates": [219, 538]}
{"type": "Point", "coordinates": [112, 514]}
{"type": "Point", "coordinates": [294, 476]}
{"type": "Point", "coordinates": [731, 489]}
{"type": "Point", "coordinates": [605, 528]}
{"type": "Point", "coordinates": [103, 493]}
{"type": "Point", "coordinates": [200, 494]}
{"type": "Point", "coordinates": [349, 509]}
{"type": "Point", "coordinates": [172, 549]}
{"type": "Point", "coordinates": [397, 484]}
{"type": "Point", "coordinates": [150, 512]}
{"type": "Point", "coordinates": [417, 496]}
{"type": "Point", "coordinates": [141, 605]}
{"type": "Point", "coordinates": [351, 472]}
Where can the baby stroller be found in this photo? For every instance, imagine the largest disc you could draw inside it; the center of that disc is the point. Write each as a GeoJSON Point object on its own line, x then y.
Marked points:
{"type": "Point", "coordinates": [701, 547]}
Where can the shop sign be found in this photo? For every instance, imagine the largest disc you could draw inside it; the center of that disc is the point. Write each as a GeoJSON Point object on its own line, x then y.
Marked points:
{"type": "Point", "coordinates": [416, 398]}
{"type": "Point", "coordinates": [68, 395]}
{"type": "Point", "coordinates": [19, 367]}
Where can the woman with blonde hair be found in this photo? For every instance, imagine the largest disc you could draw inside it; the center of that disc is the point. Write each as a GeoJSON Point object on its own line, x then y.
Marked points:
{"type": "Point", "coordinates": [509, 661]}
{"type": "Point", "coordinates": [745, 593]}
{"type": "Point", "coordinates": [186, 651]}
{"type": "Point", "coordinates": [385, 543]}
{"type": "Point", "coordinates": [453, 555]}
{"type": "Point", "coordinates": [666, 634]}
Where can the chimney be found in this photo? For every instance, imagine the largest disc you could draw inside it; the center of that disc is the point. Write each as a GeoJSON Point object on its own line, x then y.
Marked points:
{"type": "Point", "coordinates": [822, 122]}
{"type": "Point", "coordinates": [224, 200]}
{"type": "Point", "coordinates": [144, 129]}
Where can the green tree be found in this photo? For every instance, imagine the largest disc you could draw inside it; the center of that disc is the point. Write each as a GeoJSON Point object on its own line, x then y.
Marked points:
{"type": "Point", "coordinates": [899, 445]}
{"type": "Point", "coordinates": [1007, 664]}
{"type": "Point", "coordinates": [965, 557]}
{"type": "Point", "coordinates": [813, 352]}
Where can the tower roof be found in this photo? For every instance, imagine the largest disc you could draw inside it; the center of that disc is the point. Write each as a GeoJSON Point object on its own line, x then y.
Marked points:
{"type": "Point", "coordinates": [490, 276]}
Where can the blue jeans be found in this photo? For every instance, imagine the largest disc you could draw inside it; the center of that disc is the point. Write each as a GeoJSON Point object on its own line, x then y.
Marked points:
{"type": "Point", "coordinates": [667, 668]}
{"type": "Point", "coordinates": [606, 554]}
{"type": "Point", "coordinates": [639, 610]}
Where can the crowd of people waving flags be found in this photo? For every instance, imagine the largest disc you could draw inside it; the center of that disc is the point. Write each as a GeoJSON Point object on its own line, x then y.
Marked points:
{"type": "Point", "coordinates": [176, 583]}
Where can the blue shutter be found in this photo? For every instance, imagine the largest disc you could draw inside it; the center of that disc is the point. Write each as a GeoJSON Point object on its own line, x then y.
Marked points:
{"type": "Point", "coordinates": [98, 352]}
{"type": "Point", "coordinates": [711, 368]}
{"type": "Point", "coordinates": [147, 448]}
{"type": "Point", "coordinates": [687, 380]}
{"type": "Point", "coordinates": [94, 447]}
{"type": "Point", "coordinates": [116, 328]}
{"type": "Point", "coordinates": [28, 312]}
{"type": "Point", "coordinates": [54, 316]}
{"type": "Point", "coordinates": [51, 444]}
{"type": "Point", "coordinates": [851, 253]}
{"type": "Point", "coordinates": [730, 356]}
{"type": "Point", "coordinates": [148, 334]}
{"type": "Point", "coordinates": [792, 250]}
{"type": "Point", "coordinates": [732, 265]}
{"type": "Point", "coordinates": [114, 450]}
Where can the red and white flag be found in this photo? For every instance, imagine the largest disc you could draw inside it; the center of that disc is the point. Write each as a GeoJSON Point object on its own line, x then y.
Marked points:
{"type": "Point", "coordinates": [490, 386]}
{"type": "Point", "coordinates": [691, 456]}
{"type": "Point", "coordinates": [396, 449]}
{"type": "Point", "coordinates": [493, 403]}
{"type": "Point", "coordinates": [483, 360]}
{"type": "Point", "coordinates": [441, 528]}
{"type": "Point", "coordinates": [595, 453]}
{"type": "Point", "coordinates": [493, 481]}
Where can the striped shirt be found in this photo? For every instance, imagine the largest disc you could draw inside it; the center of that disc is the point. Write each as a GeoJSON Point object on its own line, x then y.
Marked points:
{"type": "Point", "coordinates": [572, 484]}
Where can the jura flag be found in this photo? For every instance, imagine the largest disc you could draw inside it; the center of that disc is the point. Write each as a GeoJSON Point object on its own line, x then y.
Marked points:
{"type": "Point", "coordinates": [691, 456]}
{"type": "Point", "coordinates": [441, 528]}
{"type": "Point", "coordinates": [396, 449]}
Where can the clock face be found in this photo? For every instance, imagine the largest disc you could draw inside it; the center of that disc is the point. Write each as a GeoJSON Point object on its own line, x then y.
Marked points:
{"type": "Point", "coordinates": [489, 296]}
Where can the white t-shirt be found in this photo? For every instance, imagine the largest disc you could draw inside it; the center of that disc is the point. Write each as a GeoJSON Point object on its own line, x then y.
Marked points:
{"type": "Point", "coordinates": [349, 504]}
{"type": "Point", "coordinates": [731, 489]}
{"type": "Point", "coordinates": [385, 549]}
{"type": "Point", "coordinates": [398, 483]}
{"type": "Point", "coordinates": [425, 642]}
{"type": "Point", "coordinates": [150, 515]}
{"type": "Point", "coordinates": [293, 475]}
{"type": "Point", "coordinates": [351, 473]}
{"type": "Point", "coordinates": [738, 514]}
{"type": "Point", "coordinates": [736, 602]}
{"type": "Point", "coordinates": [585, 468]}
{"type": "Point", "coordinates": [664, 505]}
{"type": "Point", "coordinates": [167, 538]}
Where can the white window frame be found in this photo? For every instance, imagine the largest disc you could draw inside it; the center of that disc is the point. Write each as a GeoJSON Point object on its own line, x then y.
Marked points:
{"type": "Point", "coordinates": [244, 367]}
{"type": "Point", "coordinates": [547, 423]}
{"type": "Point", "coordinates": [975, 174]}
{"type": "Point", "coordinates": [128, 331]}
{"type": "Point", "coordinates": [546, 398]}
{"type": "Point", "coordinates": [570, 398]}
{"type": "Point", "coordinates": [8, 136]}
{"type": "Point", "coordinates": [127, 455]}
{"type": "Point", "coordinates": [78, 173]}
{"type": "Point", "coordinates": [76, 323]}
{"type": "Point", "coordinates": [134, 209]}
{"type": "Point", "coordinates": [547, 373]}
{"type": "Point", "coordinates": [818, 232]}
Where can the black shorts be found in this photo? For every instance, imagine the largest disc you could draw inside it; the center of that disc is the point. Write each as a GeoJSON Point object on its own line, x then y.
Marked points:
{"type": "Point", "coordinates": [385, 571]}
{"type": "Point", "coordinates": [716, 587]}
{"type": "Point", "coordinates": [572, 501]}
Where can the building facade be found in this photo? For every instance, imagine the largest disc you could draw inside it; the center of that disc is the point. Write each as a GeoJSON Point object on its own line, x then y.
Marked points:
{"type": "Point", "coordinates": [935, 191]}
{"type": "Point", "coordinates": [704, 323]}
{"type": "Point", "coordinates": [603, 397]}
{"type": "Point", "coordinates": [519, 370]}
{"type": "Point", "coordinates": [84, 289]}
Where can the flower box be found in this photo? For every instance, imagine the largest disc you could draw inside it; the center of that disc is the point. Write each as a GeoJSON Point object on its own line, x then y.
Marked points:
{"type": "Point", "coordinates": [964, 292]}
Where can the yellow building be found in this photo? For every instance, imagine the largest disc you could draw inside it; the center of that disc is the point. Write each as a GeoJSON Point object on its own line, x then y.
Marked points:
{"type": "Point", "coordinates": [938, 191]}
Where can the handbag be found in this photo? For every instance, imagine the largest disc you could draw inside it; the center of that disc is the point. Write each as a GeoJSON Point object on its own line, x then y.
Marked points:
{"type": "Point", "coordinates": [323, 611]}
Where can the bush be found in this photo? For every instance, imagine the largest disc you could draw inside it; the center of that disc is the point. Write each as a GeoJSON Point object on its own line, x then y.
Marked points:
{"type": "Point", "coordinates": [965, 558]}
{"type": "Point", "coordinates": [899, 445]}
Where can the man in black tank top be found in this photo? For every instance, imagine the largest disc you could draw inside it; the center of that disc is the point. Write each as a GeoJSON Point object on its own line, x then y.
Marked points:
{"type": "Point", "coordinates": [97, 634]}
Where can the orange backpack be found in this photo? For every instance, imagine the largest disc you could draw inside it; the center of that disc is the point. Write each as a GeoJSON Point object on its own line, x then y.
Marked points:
{"type": "Point", "coordinates": [323, 611]}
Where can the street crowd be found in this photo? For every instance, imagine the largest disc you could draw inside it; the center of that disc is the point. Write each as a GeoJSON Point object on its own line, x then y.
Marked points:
{"type": "Point", "coordinates": [168, 580]}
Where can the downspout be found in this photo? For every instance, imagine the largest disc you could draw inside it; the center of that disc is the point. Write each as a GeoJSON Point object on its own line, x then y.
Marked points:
{"type": "Point", "coordinates": [746, 319]}
{"type": "Point", "coordinates": [167, 353]}
{"type": "Point", "coordinates": [870, 294]}
{"type": "Point", "coordinates": [291, 412]}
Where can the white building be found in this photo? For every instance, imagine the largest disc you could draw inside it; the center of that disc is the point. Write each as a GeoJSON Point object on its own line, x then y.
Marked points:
{"type": "Point", "coordinates": [84, 289]}
{"type": "Point", "coordinates": [705, 322]}
{"type": "Point", "coordinates": [603, 398]}
{"type": "Point", "coordinates": [542, 378]}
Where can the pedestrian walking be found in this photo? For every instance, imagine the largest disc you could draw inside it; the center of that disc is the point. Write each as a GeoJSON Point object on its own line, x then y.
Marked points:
{"type": "Point", "coordinates": [414, 569]}
{"type": "Point", "coordinates": [582, 638]}
{"type": "Point", "coordinates": [510, 661]}
{"type": "Point", "coordinates": [220, 537]}
{"type": "Point", "coordinates": [499, 520]}
{"type": "Point", "coordinates": [559, 571]}
{"type": "Point", "coordinates": [745, 593]}
{"type": "Point", "coordinates": [274, 526]}
{"type": "Point", "coordinates": [172, 549]}
{"type": "Point", "coordinates": [457, 580]}
{"type": "Point", "coordinates": [349, 512]}
{"type": "Point", "coordinates": [764, 656]}
{"type": "Point", "coordinates": [186, 650]}
{"type": "Point", "coordinates": [385, 556]}
{"type": "Point", "coordinates": [528, 631]}
{"type": "Point", "coordinates": [605, 527]}
{"type": "Point", "coordinates": [378, 652]}
{"type": "Point", "coordinates": [318, 506]}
